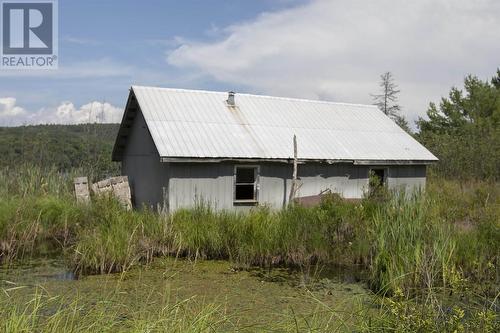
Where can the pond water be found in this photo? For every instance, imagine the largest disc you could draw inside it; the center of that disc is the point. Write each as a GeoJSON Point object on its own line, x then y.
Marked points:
{"type": "Point", "coordinates": [257, 296]}
{"type": "Point", "coordinates": [40, 270]}
{"type": "Point", "coordinates": [36, 271]}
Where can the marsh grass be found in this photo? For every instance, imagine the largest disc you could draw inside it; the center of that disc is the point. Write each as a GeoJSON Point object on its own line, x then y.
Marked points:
{"type": "Point", "coordinates": [27, 180]}
{"type": "Point", "coordinates": [432, 313]}
{"type": "Point", "coordinates": [423, 254]}
{"type": "Point", "coordinates": [411, 249]}
{"type": "Point", "coordinates": [405, 242]}
{"type": "Point", "coordinates": [42, 312]}
{"type": "Point", "coordinates": [112, 239]}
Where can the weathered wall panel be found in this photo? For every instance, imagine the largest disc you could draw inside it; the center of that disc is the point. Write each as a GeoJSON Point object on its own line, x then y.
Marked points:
{"type": "Point", "coordinates": [346, 179]}
{"type": "Point", "coordinates": [407, 178]}
{"type": "Point", "coordinates": [141, 163]}
{"type": "Point", "coordinates": [208, 182]}
{"type": "Point", "coordinates": [213, 182]}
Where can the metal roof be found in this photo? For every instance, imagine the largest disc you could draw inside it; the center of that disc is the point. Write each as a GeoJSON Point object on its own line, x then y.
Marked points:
{"type": "Point", "coordinates": [200, 124]}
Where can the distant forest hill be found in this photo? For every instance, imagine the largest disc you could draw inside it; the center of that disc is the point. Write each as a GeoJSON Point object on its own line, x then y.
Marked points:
{"type": "Point", "coordinates": [65, 147]}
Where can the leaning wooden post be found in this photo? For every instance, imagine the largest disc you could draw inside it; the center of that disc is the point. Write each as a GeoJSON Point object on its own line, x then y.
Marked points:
{"type": "Point", "coordinates": [294, 176]}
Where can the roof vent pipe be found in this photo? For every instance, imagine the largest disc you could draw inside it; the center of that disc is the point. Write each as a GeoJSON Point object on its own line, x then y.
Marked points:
{"type": "Point", "coordinates": [230, 98]}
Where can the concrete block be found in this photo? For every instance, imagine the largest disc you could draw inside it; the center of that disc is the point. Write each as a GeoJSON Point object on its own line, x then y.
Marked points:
{"type": "Point", "coordinates": [82, 193]}
{"type": "Point", "coordinates": [116, 186]}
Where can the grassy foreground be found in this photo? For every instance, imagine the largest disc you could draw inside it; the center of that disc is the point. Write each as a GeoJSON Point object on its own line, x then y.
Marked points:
{"type": "Point", "coordinates": [73, 315]}
{"type": "Point", "coordinates": [421, 254]}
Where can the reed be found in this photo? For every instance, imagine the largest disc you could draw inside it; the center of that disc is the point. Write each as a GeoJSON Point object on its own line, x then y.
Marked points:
{"type": "Point", "coordinates": [404, 242]}
{"type": "Point", "coordinates": [160, 312]}
{"type": "Point", "coordinates": [411, 249]}
{"type": "Point", "coordinates": [44, 313]}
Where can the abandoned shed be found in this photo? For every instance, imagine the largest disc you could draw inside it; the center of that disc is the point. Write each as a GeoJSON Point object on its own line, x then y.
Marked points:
{"type": "Point", "coordinates": [179, 147]}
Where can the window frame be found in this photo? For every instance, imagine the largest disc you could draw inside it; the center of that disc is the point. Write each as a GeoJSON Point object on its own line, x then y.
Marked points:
{"type": "Point", "coordinates": [256, 186]}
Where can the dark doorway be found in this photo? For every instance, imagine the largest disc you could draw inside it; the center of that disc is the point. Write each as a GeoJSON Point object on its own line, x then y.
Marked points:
{"type": "Point", "coordinates": [378, 176]}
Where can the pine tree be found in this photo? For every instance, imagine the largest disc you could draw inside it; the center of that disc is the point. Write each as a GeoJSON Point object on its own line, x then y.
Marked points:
{"type": "Point", "coordinates": [387, 100]}
{"type": "Point", "coordinates": [463, 130]}
{"type": "Point", "coordinates": [495, 81]}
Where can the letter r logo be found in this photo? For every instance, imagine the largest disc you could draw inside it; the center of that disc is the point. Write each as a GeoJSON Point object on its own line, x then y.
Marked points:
{"type": "Point", "coordinates": [27, 27]}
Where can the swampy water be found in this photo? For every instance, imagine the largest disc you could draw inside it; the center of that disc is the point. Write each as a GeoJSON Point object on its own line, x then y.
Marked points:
{"type": "Point", "coordinates": [253, 296]}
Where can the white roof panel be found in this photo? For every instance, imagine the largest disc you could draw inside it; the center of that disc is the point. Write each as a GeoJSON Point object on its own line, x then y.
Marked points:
{"type": "Point", "coordinates": [200, 124]}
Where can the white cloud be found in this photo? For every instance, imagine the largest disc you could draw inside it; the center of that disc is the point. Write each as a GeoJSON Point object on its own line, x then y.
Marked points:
{"type": "Point", "coordinates": [64, 113]}
{"type": "Point", "coordinates": [67, 113]}
{"type": "Point", "coordinates": [337, 49]}
{"type": "Point", "coordinates": [8, 108]}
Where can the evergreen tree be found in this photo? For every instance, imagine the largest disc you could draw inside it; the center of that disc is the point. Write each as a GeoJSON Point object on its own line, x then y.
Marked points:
{"type": "Point", "coordinates": [496, 80]}
{"type": "Point", "coordinates": [387, 100]}
{"type": "Point", "coordinates": [464, 132]}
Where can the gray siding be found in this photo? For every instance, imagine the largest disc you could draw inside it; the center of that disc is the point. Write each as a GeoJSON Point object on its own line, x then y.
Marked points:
{"type": "Point", "coordinates": [213, 182]}
{"type": "Point", "coordinates": [346, 179]}
{"type": "Point", "coordinates": [194, 182]}
{"type": "Point", "coordinates": [141, 163]}
{"type": "Point", "coordinates": [407, 178]}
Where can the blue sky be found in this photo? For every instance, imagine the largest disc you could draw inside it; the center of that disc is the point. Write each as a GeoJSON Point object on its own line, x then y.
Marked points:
{"type": "Point", "coordinates": [328, 49]}
{"type": "Point", "coordinates": [106, 46]}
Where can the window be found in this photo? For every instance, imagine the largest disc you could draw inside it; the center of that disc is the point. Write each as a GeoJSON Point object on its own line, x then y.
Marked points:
{"type": "Point", "coordinates": [246, 184]}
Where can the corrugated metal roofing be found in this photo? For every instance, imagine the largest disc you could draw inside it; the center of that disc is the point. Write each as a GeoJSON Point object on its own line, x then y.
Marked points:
{"type": "Point", "coordinates": [200, 124]}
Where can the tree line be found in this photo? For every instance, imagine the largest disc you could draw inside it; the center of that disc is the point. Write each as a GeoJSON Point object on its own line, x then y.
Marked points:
{"type": "Point", "coordinates": [65, 147]}
{"type": "Point", "coordinates": [462, 130]}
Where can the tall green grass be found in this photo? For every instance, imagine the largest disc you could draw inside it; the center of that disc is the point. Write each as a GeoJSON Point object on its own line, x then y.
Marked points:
{"type": "Point", "coordinates": [45, 313]}
{"type": "Point", "coordinates": [28, 180]}
{"type": "Point", "coordinates": [114, 239]}
{"type": "Point", "coordinates": [294, 235]}
{"type": "Point", "coordinates": [411, 248]}
{"type": "Point", "coordinates": [160, 312]}
{"type": "Point", "coordinates": [408, 243]}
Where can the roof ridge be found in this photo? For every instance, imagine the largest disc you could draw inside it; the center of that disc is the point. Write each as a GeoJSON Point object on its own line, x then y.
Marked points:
{"type": "Point", "coordinates": [255, 95]}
